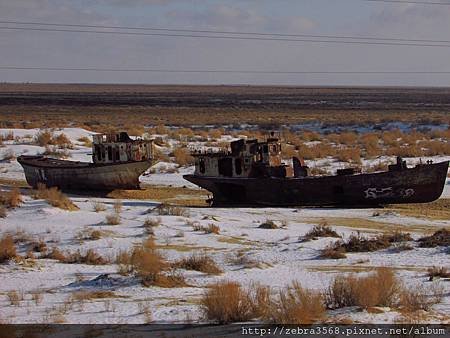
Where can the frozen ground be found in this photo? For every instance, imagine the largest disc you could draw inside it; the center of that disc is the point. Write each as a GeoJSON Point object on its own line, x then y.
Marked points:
{"type": "Point", "coordinates": [277, 256]}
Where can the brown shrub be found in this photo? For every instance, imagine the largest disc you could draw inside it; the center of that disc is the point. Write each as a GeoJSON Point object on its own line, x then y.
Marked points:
{"type": "Point", "coordinates": [62, 141]}
{"type": "Point", "coordinates": [54, 197]}
{"type": "Point", "coordinates": [12, 198]}
{"type": "Point", "coordinates": [297, 305]}
{"type": "Point", "coordinates": [227, 302]}
{"type": "Point", "coordinates": [360, 243]}
{"type": "Point", "coordinates": [212, 229]}
{"type": "Point", "coordinates": [436, 271]}
{"type": "Point", "coordinates": [112, 219]}
{"type": "Point", "coordinates": [320, 230]}
{"type": "Point", "coordinates": [56, 254]}
{"type": "Point", "coordinates": [82, 296]}
{"type": "Point", "coordinates": [86, 141]}
{"type": "Point", "coordinates": [97, 206]}
{"type": "Point", "coordinates": [7, 248]}
{"type": "Point", "coordinates": [202, 263]}
{"type": "Point", "coordinates": [118, 205]}
{"type": "Point", "coordinates": [379, 289]}
{"type": "Point", "coordinates": [183, 157]}
{"type": "Point", "coordinates": [44, 138]}
{"type": "Point", "coordinates": [90, 258]}
{"type": "Point", "coordinates": [152, 222]}
{"type": "Point", "coordinates": [333, 251]}
{"type": "Point", "coordinates": [3, 212]}
{"type": "Point", "coordinates": [439, 238]}
{"type": "Point", "coordinates": [39, 246]}
{"type": "Point", "coordinates": [171, 210]}
{"type": "Point", "coordinates": [150, 266]}
{"type": "Point", "coordinates": [14, 297]}
{"type": "Point", "coordinates": [268, 224]}
{"type": "Point", "coordinates": [349, 155]}
{"type": "Point", "coordinates": [420, 298]}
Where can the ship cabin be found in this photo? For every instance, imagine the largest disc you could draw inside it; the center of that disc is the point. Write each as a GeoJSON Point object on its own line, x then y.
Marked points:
{"type": "Point", "coordinates": [120, 148]}
{"type": "Point", "coordinates": [244, 158]}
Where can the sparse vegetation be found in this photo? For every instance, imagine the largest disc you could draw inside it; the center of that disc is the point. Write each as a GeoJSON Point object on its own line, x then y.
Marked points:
{"type": "Point", "coordinates": [183, 157]}
{"type": "Point", "coordinates": [11, 199]}
{"type": "Point", "coordinates": [150, 266]}
{"type": "Point", "coordinates": [98, 206]}
{"type": "Point", "coordinates": [381, 288]}
{"type": "Point", "coordinates": [439, 238]}
{"type": "Point", "coordinates": [112, 219]}
{"type": "Point", "coordinates": [268, 224]}
{"type": "Point", "coordinates": [436, 271]}
{"type": "Point", "coordinates": [210, 229]}
{"type": "Point", "coordinates": [320, 230]}
{"type": "Point", "coordinates": [7, 248]}
{"type": "Point", "coordinates": [296, 305]}
{"type": "Point", "coordinates": [171, 210]}
{"type": "Point", "coordinates": [199, 262]}
{"type": "Point", "coordinates": [227, 302]}
{"type": "Point", "coordinates": [54, 197]}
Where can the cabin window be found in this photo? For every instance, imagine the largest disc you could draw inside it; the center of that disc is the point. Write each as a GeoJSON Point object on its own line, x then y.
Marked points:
{"type": "Point", "coordinates": [202, 166]}
{"type": "Point", "coordinates": [110, 153]}
{"type": "Point", "coordinates": [226, 166]}
{"type": "Point", "coordinates": [238, 166]}
{"type": "Point", "coordinates": [265, 149]}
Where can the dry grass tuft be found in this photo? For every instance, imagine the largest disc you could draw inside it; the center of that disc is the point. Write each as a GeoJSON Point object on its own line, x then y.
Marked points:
{"type": "Point", "coordinates": [86, 141]}
{"type": "Point", "coordinates": [112, 219]}
{"type": "Point", "coordinates": [297, 305]}
{"type": "Point", "coordinates": [54, 197]}
{"type": "Point", "coordinates": [321, 230]}
{"type": "Point", "coordinates": [171, 210]}
{"type": "Point", "coordinates": [7, 248]}
{"type": "Point", "coordinates": [3, 212]}
{"type": "Point", "coordinates": [118, 206]}
{"type": "Point", "coordinates": [12, 198]}
{"type": "Point", "coordinates": [436, 271]}
{"type": "Point", "coordinates": [439, 238]}
{"type": "Point", "coordinates": [333, 251]}
{"type": "Point", "coordinates": [152, 222]}
{"type": "Point", "coordinates": [90, 257]}
{"type": "Point", "coordinates": [15, 297]}
{"type": "Point", "coordinates": [202, 263]}
{"type": "Point", "coordinates": [379, 289]}
{"type": "Point", "coordinates": [150, 266]}
{"type": "Point", "coordinates": [183, 157]}
{"type": "Point", "coordinates": [227, 302]}
{"type": "Point", "coordinates": [98, 206]}
{"type": "Point", "coordinates": [419, 298]}
{"type": "Point", "coordinates": [268, 224]}
{"type": "Point", "coordinates": [89, 295]}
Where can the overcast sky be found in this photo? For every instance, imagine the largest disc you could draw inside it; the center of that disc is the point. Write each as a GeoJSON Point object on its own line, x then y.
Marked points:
{"type": "Point", "coordinates": [333, 17]}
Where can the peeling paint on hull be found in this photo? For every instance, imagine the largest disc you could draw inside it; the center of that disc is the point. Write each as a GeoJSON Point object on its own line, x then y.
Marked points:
{"type": "Point", "coordinates": [421, 184]}
{"type": "Point", "coordinates": [70, 175]}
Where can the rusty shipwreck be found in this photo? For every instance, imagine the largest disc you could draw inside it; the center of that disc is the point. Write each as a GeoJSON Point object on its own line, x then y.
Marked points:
{"type": "Point", "coordinates": [117, 163]}
{"type": "Point", "coordinates": [251, 173]}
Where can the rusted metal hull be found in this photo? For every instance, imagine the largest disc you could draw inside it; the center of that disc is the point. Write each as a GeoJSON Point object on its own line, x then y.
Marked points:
{"type": "Point", "coordinates": [415, 185]}
{"type": "Point", "coordinates": [70, 175]}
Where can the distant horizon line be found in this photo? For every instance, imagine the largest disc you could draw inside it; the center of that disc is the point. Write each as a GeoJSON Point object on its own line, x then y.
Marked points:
{"type": "Point", "coordinates": [217, 85]}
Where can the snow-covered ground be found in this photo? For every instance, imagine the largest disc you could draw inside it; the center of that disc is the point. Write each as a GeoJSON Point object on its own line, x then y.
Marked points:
{"type": "Point", "coordinates": [277, 256]}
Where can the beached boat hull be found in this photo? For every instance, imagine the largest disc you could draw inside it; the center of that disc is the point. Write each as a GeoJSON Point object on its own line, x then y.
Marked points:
{"type": "Point", "coordinates": [78, 176]}
{"type": "Point", "coordinates": [421, 184]}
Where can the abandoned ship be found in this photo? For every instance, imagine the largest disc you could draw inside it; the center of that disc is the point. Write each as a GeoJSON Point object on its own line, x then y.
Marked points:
{"type": "Point", "coordinates": [118, 161]}
{"type": "Point", "coordinates": [251, 173]}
